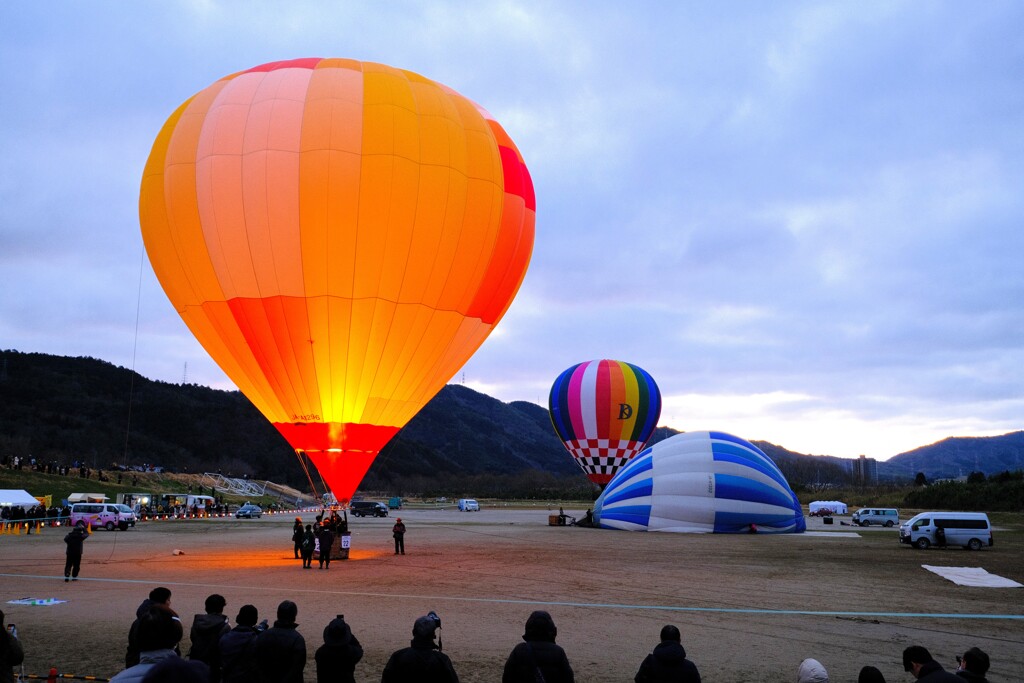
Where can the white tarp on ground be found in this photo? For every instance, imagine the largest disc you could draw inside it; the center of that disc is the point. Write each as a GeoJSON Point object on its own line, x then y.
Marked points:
{"type": "Point", "coordinates": [837, 507]}
{"type": "Point", "coordinates": [972, 576]}
{"type": "Point", "coordinates": [16, 497]}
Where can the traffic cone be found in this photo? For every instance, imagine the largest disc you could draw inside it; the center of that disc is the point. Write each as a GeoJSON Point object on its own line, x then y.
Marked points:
{"type": "Point", "coordinates": [89, 528]}
{"type": "Point", "coordinates": [19, 529]}
{"type": "Point", "coordinates": [39, 527]}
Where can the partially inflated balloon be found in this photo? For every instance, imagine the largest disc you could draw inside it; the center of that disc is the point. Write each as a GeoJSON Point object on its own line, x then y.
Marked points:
{"type": "Point", "coordinates": [604, 411]}
{"type": "Point", "coordinates": [700, 482]}
{"type": "Point", "coordinates": [340, 236]}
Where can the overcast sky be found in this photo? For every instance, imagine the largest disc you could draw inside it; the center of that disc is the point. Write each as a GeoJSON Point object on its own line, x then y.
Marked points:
{"type": "Point", "coordinates": [803, 219]}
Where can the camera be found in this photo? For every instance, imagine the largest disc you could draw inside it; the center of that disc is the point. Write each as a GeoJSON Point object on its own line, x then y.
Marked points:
{"type": "Point", "coordinates": [433, 615]}
{"type": "Point", "coordinates": [262, 626]}
{"type": "Point", "coordinates": [12, 629]}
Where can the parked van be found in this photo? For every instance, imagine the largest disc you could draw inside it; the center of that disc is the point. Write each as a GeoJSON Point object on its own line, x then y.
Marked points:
{"type": "Point", "coordinates": [971, 530]}
{"type": "Point", "coordinates": [468, 505]}
{"type": "Point", "coordinates": [105, 515]}
{"type": "Point", "coordinates": [364, 508]}
{"type": "Point", "coordinates": [887, 517]}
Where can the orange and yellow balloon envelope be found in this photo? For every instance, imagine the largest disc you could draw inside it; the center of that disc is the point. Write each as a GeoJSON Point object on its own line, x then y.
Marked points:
{"type": "Point", "coordinates": [340, 236]}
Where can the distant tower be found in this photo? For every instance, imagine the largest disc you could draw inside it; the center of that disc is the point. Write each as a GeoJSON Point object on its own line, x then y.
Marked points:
{"type": "Point", "coordinates": [184, 374]}
{"type": "Point", "coordinates": [865, 470]}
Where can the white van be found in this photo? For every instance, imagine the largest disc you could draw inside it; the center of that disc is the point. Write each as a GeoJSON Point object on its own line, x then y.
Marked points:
{"type": "Point", "coordinates": [971, 530]}
{"type": "Point", "coordinates": [887, 517]}
{"type": "Point", "coordinates": [106, 515]}
{"type": "Point", "coordinates": [468, 505]}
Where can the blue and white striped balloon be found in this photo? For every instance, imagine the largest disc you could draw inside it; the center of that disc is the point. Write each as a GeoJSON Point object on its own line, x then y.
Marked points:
{"type": "Point", "coordinates": [700, 482]}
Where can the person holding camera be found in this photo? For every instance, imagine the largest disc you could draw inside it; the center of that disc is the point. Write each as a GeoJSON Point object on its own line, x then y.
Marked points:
{"type": "Point", "coordinates": [423, 660]}
{"type": "Point", "coordinates": [11, 652]}
{"type": "Point", "coordinates": [973, 665]}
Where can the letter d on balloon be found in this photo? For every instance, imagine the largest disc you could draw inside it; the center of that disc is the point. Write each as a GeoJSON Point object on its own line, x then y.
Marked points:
{"type": "Point", "coordinates": [625, 411]}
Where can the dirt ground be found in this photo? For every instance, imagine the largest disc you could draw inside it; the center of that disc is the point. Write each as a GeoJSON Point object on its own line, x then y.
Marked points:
{"type": "Point", "coordinates": [750, 607]}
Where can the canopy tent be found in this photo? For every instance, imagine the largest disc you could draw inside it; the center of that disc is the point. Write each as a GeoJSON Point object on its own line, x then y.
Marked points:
{"type": "Point", "coordinates": [87, 498]}
{"type": "Point", "coordinates": [16, 497]}
{"type": "Point", "coordinates": [834, 506]}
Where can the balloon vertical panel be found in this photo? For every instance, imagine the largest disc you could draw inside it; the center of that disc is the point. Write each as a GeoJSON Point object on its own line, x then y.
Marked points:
{"type": "Point", "coordinates": [340, 237]}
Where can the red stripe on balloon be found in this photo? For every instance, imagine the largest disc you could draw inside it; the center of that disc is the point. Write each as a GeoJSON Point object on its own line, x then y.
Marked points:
{"type": "Point", "coordinates": [304, 63]}
{"type": "Point", "coordinates": [517, 178]}
{"type": "Point", "coordinates": [324, 436]}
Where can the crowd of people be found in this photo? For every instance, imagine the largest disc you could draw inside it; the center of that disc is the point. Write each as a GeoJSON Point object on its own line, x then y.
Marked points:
{"type": "Point", "coordinates": [917, 661]}
{"type": "Point", "coordinates": [253, 651]}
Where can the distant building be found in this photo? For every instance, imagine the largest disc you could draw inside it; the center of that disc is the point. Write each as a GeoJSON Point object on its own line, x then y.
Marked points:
{"type": "Point", "coordinates": [864, 470]}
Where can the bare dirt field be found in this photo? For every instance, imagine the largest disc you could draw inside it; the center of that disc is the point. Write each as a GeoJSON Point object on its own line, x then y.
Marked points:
{"type": "Point", "coordinates": [750, 607]}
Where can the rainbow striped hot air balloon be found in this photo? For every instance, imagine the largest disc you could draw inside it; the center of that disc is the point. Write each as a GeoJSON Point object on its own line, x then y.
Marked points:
{"type": "Point", "coordinates": [604, 411]}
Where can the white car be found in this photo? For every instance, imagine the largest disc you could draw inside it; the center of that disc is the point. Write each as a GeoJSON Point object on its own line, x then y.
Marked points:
{"type": "Point", "coordinates": [468, 505]}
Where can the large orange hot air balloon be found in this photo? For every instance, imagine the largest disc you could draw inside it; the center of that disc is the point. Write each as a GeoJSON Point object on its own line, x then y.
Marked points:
{"type": "Point", "coordinates": [340, 236]}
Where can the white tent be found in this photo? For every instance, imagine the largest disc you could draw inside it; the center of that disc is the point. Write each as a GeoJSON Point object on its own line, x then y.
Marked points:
{"type": "Point", "coordinates": [16, 497]}
{"type": "Point", "coordinates": [86, 498]}
{"type": "Point", "coordinates": [834, 506]}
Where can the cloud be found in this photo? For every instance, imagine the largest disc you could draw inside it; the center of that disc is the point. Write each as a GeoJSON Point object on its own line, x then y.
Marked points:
{"type": "Point", "coordinates": [802, 219]}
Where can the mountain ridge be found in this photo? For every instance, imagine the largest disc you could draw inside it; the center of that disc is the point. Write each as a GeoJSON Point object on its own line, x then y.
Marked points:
{"type": "Point", "coordinates": [89, 410]}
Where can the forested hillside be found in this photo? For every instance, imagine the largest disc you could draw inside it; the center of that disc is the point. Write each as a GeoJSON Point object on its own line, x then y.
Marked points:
{"type": "Point", "coordinates": [60, 409]}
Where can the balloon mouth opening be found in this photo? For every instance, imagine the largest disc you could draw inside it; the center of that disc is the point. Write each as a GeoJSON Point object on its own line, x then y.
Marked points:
{"type": "Point", "coordinates": [335, 437]}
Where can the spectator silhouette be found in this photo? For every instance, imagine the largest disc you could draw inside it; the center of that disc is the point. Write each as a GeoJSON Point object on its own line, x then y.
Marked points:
{"type": "Point", "coordinates": [280, 652]}
{"type": "Point", "coordinates": [538, 657]}
{"type": "Point", "coordinates": [668, 662]}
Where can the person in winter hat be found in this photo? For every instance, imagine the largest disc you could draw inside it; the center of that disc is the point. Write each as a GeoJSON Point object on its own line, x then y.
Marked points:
{"type": "Point", "coordinates": [235, 650]}
{"type": "Point", "coordinates": [423, 660]}
{"type": "Point", "coordinates": [336, 659]}
{"type": "Point", "coordinates": [280, 652]}
{"type": "Point", "coordinates": [811, 671]}
{"type": "Point", "coordinates": [538, 654]}
{"type": "Point", "coordinates": [668, 662]}
{"type": "Point", "coordinates": [973, 666]}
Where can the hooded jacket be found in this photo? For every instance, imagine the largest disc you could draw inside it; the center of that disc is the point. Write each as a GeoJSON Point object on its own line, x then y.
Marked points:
{"type": "Point", "coordinates": [205, 635]}
{"type": "Point", "coordinates": [420, 662]}
{"type": "Point", "coordinates": [667, 664]}
{"type": "Point", "coordinates": [811, 671]}
{"type": "Point", "coordinates": [235, 652]}
{"type": "Point", "coordinates": [336, 659]}
{"type": "Point", "coordinates": [538, 651]}
{"type": "Point", "coordinates": [75, 539]}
